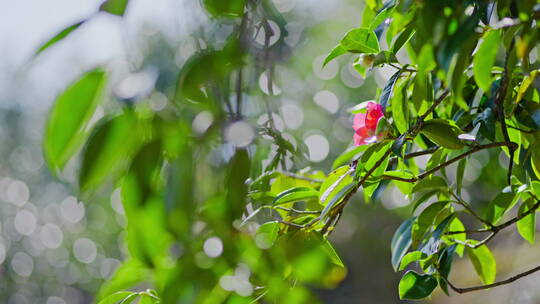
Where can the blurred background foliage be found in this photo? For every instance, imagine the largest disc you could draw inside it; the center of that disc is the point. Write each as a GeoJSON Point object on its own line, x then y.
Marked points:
{"type": "Point", "coordinates": [62, 245]}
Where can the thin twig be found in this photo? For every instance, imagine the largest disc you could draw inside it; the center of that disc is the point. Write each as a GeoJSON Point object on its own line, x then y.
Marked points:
{"type": "Point", "coordinates": [470, 210]}
{"type": "Point", "coordinates": [487, 286]}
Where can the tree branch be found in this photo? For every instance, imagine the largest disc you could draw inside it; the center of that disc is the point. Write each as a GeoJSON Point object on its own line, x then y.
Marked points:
{"type": "Point", "coordinates": [487, 286]}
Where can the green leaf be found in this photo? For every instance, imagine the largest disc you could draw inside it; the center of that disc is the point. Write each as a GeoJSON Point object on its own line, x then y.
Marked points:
{"type": "Point", "coordinates": [430, 183]}
{"type": "Point", "coordinates": [115, 7]}
{"type": "Point", "coordinates": [387, 90]}
{"type": "Point", "coordinates": [535, 161]}
{"type": "Point", "coordinates": [296, 194]}
{"type": "Point", "coordinates": [267, 235]}
{"type": "Point", "coordinates": [442, 133]}
{"type": "Point", "coordinates": [445, 265]}
{"type": "Point", "coordinates": [360, 40]}
{"type": "Point", "coordinates": [499, 205]}
{"type": "Point", "coordinates": [336, 52]}
{"type": "Point", "coordinates": [485, 58]}
{"type": "Point", "coordinates": [335, 181]}
{"type": "Point", "coordinates": [331, 252]}
{"type": "Point", "coordinates": [334, 199]}
{"type": "Point", "coordinates": [220, 8]}
{"type": "Point", "coordinates": [400, 109]}
{"type": "Point", "coordinates": [410, 258]}
{"type": "Point", "coordinates": [424, 221]}
{"type": "Point", "coordinates": [401, 241]}
{"type": "Point", "coordinates": [527, 225]}
{"type": "Point", "coordinates": [348, 156]}
{"type": "Point", "coordinates": [119, 297]}
{"type": "Point", "coordinates": [58, 37]}
{"type": "Point", "coordinates": [384, 57]}
{"type": "Point", "coordinates": [535, 186]}
{"type": "Point", "coordinates": [381, 17]}
{"type": "Point", "coordinates": [457, 225]}
{"type": "Point", "coordinates": [484, 263]}
{"type": "Point", "coordinates": [65, 130]}
{"type": "Point", "coordinates": [127, 275]}
{"type": "Point", "coordinates": [405, 36]}
{"type": "Point", "coordinates": [108, 150]}
{"type": "Point", "coordinates": [414, 286]}
{"type": "Point", "coordinates": [460, 172]}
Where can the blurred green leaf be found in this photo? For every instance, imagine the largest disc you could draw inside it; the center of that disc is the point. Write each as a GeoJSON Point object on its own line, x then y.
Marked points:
{"type": "Point", "coordinates": [115, 7]}
{"type": "Point", "coordinates": [108, 150]}
{"type": "Point", "coordinates": [401, 241]}
{"type": "Point", "coordinates": [123, 297]}
{"type": "Point", "coordinates": [127, 275]}
{"type": "Point", "coordinates": [485, 58]}
{"type": "Point", "coordinates": [414, 286]}
{"type": "Point", "coordinates": [460, 172]}
{"type": "Point", "coordinates": [430, 183]}
{"type": "Point", "coordinates": [58, 37]}
{"type": "Point", "coordinates": [230, 8]}
{"type": "Point", "coordinates": [484, 263]}
{"type": "Point", "coordinates": [65, 130]}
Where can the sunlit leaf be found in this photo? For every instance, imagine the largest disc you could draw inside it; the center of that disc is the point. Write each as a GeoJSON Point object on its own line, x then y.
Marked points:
{"type": "Point", "coordinates": [484, 263]}
{"type": "Point", "coordinates": [66, 126]}
{"type": "Point", "coordinates": [414, 286]}
{"type": "Point", "coordinates": [360, 40]}
{"type": "Point", "coordinates": [485, 58]}
{"type": "Point", "coordinates": [527, 225]}
{"type": "Point", "coordinates": [336, 52]}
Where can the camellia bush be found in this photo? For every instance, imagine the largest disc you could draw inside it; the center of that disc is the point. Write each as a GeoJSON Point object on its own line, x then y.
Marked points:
{"type": "Point", "coordinates": [220, 211]}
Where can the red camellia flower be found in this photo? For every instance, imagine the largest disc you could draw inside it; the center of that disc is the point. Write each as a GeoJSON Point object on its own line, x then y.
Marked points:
{"type": "Point", "coordinates": [365, 124]}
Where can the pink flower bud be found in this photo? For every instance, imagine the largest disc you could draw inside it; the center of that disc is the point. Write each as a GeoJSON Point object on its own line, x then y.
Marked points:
{"type": "Point", "coordinates": [365, 124]}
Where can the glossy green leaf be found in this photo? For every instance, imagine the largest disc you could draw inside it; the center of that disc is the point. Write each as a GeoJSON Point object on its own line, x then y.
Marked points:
{"type": "Point", "coordinates": [66, 126]}
{"type": "Point", "coordinates": [484, 263]}
{"type": "Point", "coordinates": [410, 258]}
{"type": "Point", "coordinates": [267, 235]}
{"type": "Point", "coordinates": [387, 90]}
{"type": "Point", "coordinates": [414, 286]}
{"type": "Point", "coordinates": [424, 221]}
{"type": "Point", "coordinates": [442, 133]}
{"type": "Point", "coordinates": [527, 225]}
{"type": "Point", "coordinates": [296, 194]}
{"type": "Point", "coordinates": [401, 242]}
{"type": "Point", "coordinates": [446, 259]}
{"type": "Point", "coordinates": [58, 37]}
{"type": "Point", "coordinates": [485, 58]}
{"type": "Point", "coordinates": [360, 40]}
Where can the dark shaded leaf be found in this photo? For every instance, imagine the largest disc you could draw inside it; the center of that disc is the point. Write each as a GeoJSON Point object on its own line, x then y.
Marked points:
{"type": "Point", "coordinates": [401, 241]}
